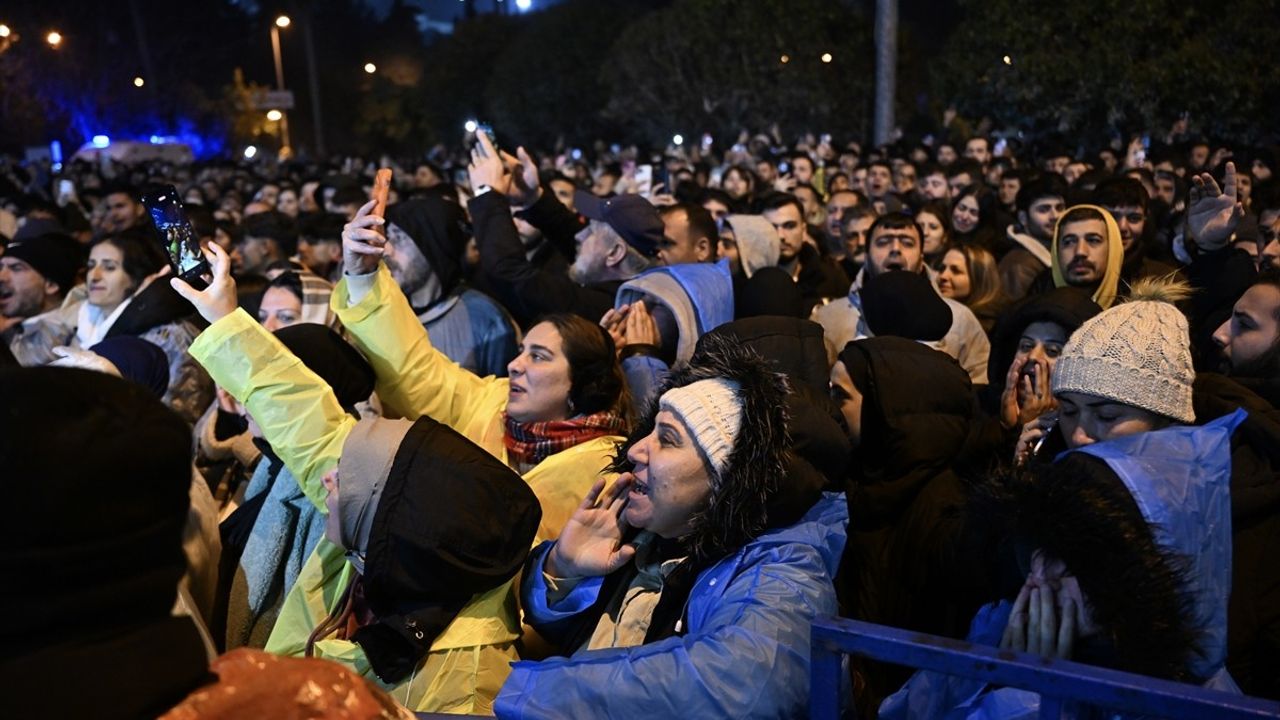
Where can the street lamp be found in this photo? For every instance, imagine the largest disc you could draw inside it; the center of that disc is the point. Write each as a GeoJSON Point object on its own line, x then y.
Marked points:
{"type": "Point", "coordinates": [370, 68]}
{"type": "Point", "coordinates": [281, 22]}
{"type": "Point", "coordinates": [54, 39]}
{"type": "Point", "coordinates": [826, 57]}
{"type": "Point", "coordinates": [274, 115]}
{"type": "Point", "coordinates": [4, 30]}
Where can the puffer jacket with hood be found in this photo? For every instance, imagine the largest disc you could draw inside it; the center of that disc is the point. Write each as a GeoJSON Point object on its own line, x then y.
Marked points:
{"type": "Point", "coordinates": [463, 655]}
{"type": "Point", "coordinates": [415, 379]}
{"type": "Point", "coordinates": [735, 642]}
{"type": "Point", "coordinates": [905, 565]}
{"type": "Point", "coordinates": [466, 325]}
{"type": "Point", "coordinates": [1179, 480]}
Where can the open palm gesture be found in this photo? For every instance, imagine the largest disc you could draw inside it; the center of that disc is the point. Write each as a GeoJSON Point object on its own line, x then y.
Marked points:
{"type": "Point", "coordinates": [1213, 212]}
{"type": "Point", "coordinates": [591, 543]}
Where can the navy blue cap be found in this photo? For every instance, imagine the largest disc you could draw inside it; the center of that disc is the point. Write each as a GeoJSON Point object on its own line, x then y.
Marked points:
{"type": "Point", "coordinates": [631, 216]}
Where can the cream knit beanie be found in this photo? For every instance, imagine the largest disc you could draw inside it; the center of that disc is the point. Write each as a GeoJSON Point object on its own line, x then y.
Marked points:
{"type": "Point", "coordinates": [1137, 353]}
{"type": "Point", "coordinates": [712, 411]}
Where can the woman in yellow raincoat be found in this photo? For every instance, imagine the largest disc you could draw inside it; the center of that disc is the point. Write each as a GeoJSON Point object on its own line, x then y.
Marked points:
{"type": "Point", "coordinates": [560, 458]}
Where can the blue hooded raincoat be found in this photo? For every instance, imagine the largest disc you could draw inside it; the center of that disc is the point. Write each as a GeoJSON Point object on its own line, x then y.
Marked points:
{"type": "Point", "coordinates": [1180, 479]}
{"type": "Point", "coordinates": [745, 653]}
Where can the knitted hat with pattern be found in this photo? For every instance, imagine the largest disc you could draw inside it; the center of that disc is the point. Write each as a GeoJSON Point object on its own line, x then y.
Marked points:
{"type": "Point", "coordinates": [1137, 353]}
{"type": "Point", "coordinates": [712, 412]}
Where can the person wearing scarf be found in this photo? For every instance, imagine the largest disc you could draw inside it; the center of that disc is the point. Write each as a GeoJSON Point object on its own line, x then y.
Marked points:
{"type": "Point", "coordinates": [423, 530]}
{"type": "Point", "coordinates": [555, 419]}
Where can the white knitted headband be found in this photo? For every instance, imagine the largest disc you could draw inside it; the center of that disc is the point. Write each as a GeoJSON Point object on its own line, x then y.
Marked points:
{"type": "Point", "coordinates": [712, 412]}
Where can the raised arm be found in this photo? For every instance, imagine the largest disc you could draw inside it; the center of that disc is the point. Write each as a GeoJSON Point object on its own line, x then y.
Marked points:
{"type": "Point", "coordinates": [502, 256]}
{"type": "Point", "coordinates": [414, 379]}
{"type": "Point", "coordinates": [296, 410]}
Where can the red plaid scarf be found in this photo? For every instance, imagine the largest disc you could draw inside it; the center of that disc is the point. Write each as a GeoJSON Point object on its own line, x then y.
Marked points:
{"type": "Point", "coordinates": [531, 443]}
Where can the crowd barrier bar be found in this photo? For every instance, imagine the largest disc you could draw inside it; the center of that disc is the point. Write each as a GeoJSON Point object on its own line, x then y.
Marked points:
{"type": "Point", "coordinates": [1057, 681]}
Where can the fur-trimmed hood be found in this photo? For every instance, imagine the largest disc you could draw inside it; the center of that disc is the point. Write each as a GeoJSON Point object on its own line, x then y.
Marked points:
{"type": "Point", "coordinates": [737, 511]}
{"type": "Point", "coordinates": [1144, 523]}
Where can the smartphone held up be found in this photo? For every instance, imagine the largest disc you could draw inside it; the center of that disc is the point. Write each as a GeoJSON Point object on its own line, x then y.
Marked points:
{"type": "Point", "coordinates": [381, 191]}
{"type": "Point", "coordinates": [176, 236]}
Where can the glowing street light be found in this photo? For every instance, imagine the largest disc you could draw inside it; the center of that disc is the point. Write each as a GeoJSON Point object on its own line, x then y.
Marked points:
{"type": "Point", "coordinates": [524, 5]}
{"type": "Point", "coordinates": [280, 23]}
{"type": "Point", "coordinates": [1008, 60]}
{"type": "Point", "coordinates": [4, 31]}
{"type": "Point", "coordinates": [785, 59]}
{"type": "Point", "coordinates": [249, 152]}
{"type": "Point", "coordinates": [677, 139]}
{"type": "Point", "coordinates": [274, 115]}
{"type": "Point", "coordinates": [54, 38]}
{"type": "Point", "coordinates": [139, 82]}
{"type": "Point", "coordinates": [370, 68]}
{"type": "Point", "coordinates": [826, 57]}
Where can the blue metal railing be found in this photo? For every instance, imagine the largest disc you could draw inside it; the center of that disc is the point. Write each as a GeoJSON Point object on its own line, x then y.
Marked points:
{"type": "Point", "coordinates": [1057, 681]}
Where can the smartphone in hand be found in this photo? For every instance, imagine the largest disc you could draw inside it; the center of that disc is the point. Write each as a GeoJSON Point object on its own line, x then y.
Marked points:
{"type": "Point", "coordinates": [176, 236]}
{"type": "Point", "coordinates": [644, 180]}
{"type": "Point", "coordinates": [487, 130]}
{"type": "Point", "coordinates": [381, 191]}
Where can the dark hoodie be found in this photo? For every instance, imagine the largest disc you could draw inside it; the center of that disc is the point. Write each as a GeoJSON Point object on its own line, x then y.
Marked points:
{"type": "Point", "coordinates": [903, 565]}
{"type": "Point", "coordinates": [439, 522]}
{"type": "Point", "coordinates": [467, 326]}
{"type": "Point", "coordinates": [436, 227]}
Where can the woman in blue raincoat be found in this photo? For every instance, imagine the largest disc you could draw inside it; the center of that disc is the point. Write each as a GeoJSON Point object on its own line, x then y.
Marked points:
{"type": "Point", "coordinates": [672, 593]}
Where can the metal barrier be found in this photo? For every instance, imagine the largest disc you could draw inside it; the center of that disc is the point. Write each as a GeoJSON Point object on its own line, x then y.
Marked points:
{"type": "Point", "coordinates": [1057, 681]}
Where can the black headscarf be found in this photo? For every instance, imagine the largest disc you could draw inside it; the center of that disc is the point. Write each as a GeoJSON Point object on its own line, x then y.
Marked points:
{"type": "Point", "coordinates": [138, 360]}
{"type": "Point", "coordinates": [325, 353]}
{"type": "Point", "coordinates": [438, 228]}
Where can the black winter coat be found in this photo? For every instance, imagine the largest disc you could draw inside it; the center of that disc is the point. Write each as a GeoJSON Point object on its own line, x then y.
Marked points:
{"type": "Point", "coordinates": [1253, 613]}
{"type": "Point", "coordinates": [526, 289]}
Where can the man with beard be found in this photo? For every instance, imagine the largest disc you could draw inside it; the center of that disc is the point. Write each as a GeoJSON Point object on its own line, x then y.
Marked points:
{"type": "Point", "coordinates": [35, 276]}
{"type": "Point", "coordinates": [895, 243]}
{"type": "Point", "coordinates": [1087, 253]}
{"type": "Point", "coordinates": [818, 277]}
{"type": "Point", "coordinates": [621, 239]}
{"type": "Point", "coordinates": [1250, 339]}
{"type": "Point", "coordinates": [424, 250]}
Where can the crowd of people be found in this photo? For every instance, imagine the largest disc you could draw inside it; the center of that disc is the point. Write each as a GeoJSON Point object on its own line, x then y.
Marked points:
{"type": "Point", "coordinates": [566, 434]}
